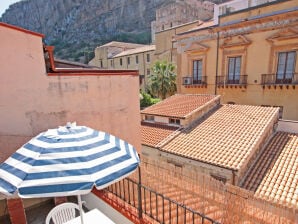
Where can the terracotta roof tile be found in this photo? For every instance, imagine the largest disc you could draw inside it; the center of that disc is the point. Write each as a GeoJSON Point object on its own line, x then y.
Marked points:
{"type": "Point", "coordinates": [274, 176]}
{"type": "Point", "coordinates": [227, 137]}
{"type": "Point", "coordinates": [179, 105]}
{"type": "Point", "coordinates": [136, 50]}
{"type": "Point", "coordinates": [152, 134]}
{"type": "Point", "coordinates": [122, 45]}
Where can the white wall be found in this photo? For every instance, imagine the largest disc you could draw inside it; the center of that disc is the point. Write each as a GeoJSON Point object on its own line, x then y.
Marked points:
{"type": "Point", "coordinates": [287, 126]}
{"type": "Point", "coordinates": [92, 201]}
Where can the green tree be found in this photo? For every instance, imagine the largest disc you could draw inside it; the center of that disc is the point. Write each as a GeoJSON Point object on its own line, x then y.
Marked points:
{"type": "Point", "coordinates": [162, 81]}
{"type": "Point", "coordinates": [146, 100]}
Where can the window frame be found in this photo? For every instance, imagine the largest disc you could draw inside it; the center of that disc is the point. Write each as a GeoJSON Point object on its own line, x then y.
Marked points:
{"type": "Point", "coordinates": [236, 73]}
{"type": "Point", "coordinates": [174, 121]}
{"type": "Point", "coordinates": [197, 79]}
{"type": "Point", "coordinates": [283, 76]}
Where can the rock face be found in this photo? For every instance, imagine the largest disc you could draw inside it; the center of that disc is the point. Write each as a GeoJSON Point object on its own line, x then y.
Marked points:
{"type": "Point", "coordinates": [76, 27]}
{"type": "Point", "coordinates": [73, 25]}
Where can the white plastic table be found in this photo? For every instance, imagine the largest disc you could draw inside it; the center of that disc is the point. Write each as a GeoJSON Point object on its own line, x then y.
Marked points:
{"type": "Point", "coordinates": [92, 217]}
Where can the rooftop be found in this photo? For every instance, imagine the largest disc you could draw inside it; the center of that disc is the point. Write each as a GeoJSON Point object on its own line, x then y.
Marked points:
{"type": "Point", "coordinates": [136, 50]}
{"type": "Point", "coordinates": [122, 45]}
{"type": "Point", "coordinates": [274, 176]}
{"type": "Point", "coordinates": [179, 105]}
{"type": "Point", "coordinates": [227, 138]}
{"type": "Point", "coordinates": [152, 134]}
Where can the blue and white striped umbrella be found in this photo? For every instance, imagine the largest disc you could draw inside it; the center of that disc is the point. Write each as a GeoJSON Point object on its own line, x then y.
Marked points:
{"type": "Point", "coordinates": [67, 161]}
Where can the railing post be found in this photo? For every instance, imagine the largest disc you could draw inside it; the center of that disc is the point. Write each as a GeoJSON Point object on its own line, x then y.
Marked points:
{"type": "Point", "coordinates": [140, 195]}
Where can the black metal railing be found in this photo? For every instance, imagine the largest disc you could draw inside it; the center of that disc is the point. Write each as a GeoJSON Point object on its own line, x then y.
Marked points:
{"type": "Point", "coordinates": [157, 206]}
{"type": "Point", "coordinates": [236, 80]}
{"type": "Point", "coordinates": [275, 79]}
{"type": "Point", "coordinates": [194, 81]}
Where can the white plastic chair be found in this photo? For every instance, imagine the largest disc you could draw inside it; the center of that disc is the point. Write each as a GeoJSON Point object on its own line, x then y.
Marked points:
{"type": "Point", "coordinates": [62, 213]}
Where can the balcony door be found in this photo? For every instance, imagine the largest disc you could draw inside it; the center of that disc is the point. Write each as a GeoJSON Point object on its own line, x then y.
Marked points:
{"type": "Point", "coordinates": [197, 71]}
{"type": "Point", "coordinates": [285, 67]}
{"type": "Point", "coordinates": [234, 70]}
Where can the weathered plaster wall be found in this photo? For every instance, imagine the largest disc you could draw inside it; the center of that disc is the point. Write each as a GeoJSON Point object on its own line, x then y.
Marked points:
{"type": "Point", "coordinates": [32, 102]}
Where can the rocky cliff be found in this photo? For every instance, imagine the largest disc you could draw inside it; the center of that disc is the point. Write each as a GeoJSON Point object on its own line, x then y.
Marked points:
{"type": "Point", "coordinates": [75, 27]}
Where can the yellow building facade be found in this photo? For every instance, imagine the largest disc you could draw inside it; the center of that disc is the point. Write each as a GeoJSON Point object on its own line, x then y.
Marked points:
{"type": "Point", "coordinates": [121, 55]}
{"type": "Point", "coordinates": [250, 57]}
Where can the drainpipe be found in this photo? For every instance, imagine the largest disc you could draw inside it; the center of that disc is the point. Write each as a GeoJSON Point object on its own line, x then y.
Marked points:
{"type": "Point", "coordinates": [216, 75]}
{"type": "Point", "coordinates": [173, 46]}
{"type": "Point", "coordinates": [144, 71]}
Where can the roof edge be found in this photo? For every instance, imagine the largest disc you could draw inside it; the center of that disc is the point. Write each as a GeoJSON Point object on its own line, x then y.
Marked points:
{"type": "Point", "coordinates": [217, 97]}
{"type": "Point", "coordinates": [21, 29]}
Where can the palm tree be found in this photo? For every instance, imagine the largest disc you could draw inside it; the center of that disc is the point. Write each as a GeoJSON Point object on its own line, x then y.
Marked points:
{"type": "Point", "coordinates": [163, 80]}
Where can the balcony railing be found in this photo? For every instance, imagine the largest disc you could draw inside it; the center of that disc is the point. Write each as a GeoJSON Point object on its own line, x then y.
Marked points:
{"type": "Point", "coordinates": [156, 205]}
{"type": "Point", "coordinates": [274, 79]}
{"type": "Point", "coordinates": [237, 80]}
{"type": "Point", "coordinates": [186, 81]}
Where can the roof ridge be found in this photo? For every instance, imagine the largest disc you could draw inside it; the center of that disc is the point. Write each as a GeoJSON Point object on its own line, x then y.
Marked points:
{"type": "Point", "coordinates": [257, 158]}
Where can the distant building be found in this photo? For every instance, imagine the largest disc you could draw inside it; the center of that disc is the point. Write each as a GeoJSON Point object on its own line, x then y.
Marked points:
{"type": "Point", "coordinates": [176, 13]}
{"type": "Point", "coordinates": [121, 55]}
{"type": "Point", "coordinates": [107, 51]}
{"type": "Point", "coordinates": [249, 57]}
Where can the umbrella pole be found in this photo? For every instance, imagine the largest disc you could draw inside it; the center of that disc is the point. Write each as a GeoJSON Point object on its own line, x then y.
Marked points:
{"type": "Point", "coordinates": [81, 208]}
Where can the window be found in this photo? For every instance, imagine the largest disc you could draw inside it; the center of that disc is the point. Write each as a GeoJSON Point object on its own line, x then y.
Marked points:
{"type": "Point", "coordinates": [197, 71]}
{"type": "Point", "coordinates": [128, 60]}
{"type": "Point", "coordinates": [285, 67]}
{"type": "Point", "coordinates": [120, 61]}
{"type": "Point", "coordinates": [112, 63]}
{"type": "Point", "coordinates": [174, 121]}
{"type": "Point", "coordinates": [100, 63]}
{"type": "Point", "coordinates": [148, 57]}
{"type": "Point", "coordinates": [149, 117]}
{"type": "Point", "coordinates": [137, 59]}
{"type": "Point", "coordinates": [234, 70]}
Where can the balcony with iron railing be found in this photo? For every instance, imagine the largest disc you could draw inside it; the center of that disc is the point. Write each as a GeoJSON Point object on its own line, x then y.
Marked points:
{"type": "Point", "coordinates": [288, 79]}
{"type": "Point", "coordinates": [225, 81]}
{"type": "Point", "coordinates": [192, 82]}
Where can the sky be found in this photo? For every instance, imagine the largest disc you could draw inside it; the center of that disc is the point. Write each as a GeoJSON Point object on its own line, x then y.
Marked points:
{"type": "Point", "coordinates": [4, 5]}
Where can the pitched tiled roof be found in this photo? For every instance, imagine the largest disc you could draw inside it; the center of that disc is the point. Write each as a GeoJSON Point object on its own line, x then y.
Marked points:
{"type": "Point", "coordinates": [179, 105]}
{"type": "Point", "coordinates": [122, 45]}
{"type": "Point", "coordinates": [152, 134]}
{"type": "Point", "coordinates": [136, 50]}
{"type": "Point", "coordinates": [274, 176]}
{"type": "Point", "coordinates": [226, 138]}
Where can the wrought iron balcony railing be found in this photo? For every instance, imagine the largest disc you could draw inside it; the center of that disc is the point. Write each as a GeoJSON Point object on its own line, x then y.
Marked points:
{"type": "Point", "coordinates": [191, 81]}
{"type": "Point", "coordinates": [274, 79]}
{"type": "Point", "coordinates": [236, 80]}
{"type": "Point", "coordinates": [155, 205]}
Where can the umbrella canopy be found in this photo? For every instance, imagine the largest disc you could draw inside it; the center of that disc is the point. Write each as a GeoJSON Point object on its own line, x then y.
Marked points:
{"type": "Point", "coordinates": [67, 161]}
